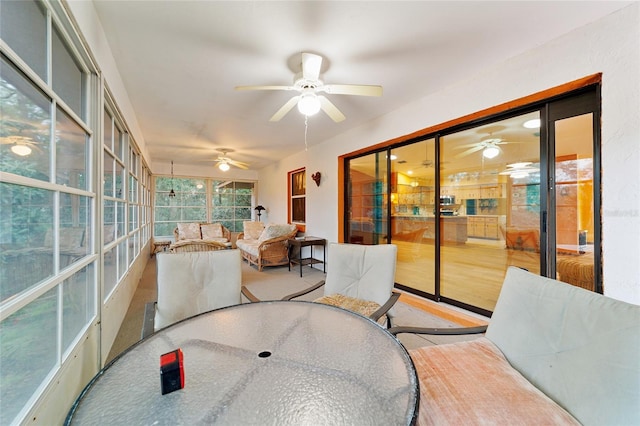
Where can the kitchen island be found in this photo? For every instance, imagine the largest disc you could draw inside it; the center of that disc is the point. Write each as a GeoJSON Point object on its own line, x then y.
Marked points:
{"type": "Point", "coordinates": [453, 229]}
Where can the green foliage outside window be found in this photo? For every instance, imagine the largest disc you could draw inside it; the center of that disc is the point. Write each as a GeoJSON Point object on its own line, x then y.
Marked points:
{"type": "Point", "coordinates": [231, 203]}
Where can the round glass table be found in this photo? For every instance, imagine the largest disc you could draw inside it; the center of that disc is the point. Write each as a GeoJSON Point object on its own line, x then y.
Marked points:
{"type": "Point", "coordinates": [280, 362]}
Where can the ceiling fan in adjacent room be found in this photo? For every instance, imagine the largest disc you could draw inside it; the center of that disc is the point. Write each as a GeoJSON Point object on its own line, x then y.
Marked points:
{"type": "Point", "coordinates": [310, 88]}
{"type": "Point", "coordinates": [489, 145]}
{"type": "Point", "coordinates": [224, 163]}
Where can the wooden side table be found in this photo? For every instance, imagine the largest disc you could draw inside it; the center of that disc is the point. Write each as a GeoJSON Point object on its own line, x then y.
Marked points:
{"type": "Point", "coordinates": [307, 242]}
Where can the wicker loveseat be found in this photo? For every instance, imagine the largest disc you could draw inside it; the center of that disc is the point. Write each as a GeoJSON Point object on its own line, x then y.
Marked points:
{"type": "Point", "coordinates": [191, 237]}
{"type": "Point", "coordinates": [266, 245]}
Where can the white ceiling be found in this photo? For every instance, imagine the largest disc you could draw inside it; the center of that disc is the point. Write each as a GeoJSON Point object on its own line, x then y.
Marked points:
{"type": "Point", "coordinates": [180, 62]}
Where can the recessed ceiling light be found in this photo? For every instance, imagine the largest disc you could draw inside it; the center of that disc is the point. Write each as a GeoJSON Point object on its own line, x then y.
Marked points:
{"type": "Point", "coordinates": [532, 124]}
{"type": "Point", "coordinates": [409, 172]}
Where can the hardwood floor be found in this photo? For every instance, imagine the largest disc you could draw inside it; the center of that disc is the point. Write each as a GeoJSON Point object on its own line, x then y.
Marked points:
{"type": "Point", "coordinates": [471, 273]}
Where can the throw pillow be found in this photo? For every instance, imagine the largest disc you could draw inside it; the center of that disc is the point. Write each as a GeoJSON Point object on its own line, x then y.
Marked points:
{"type": "Point", "coordinates": [273, 230]}
{"type": "Point", "coordinates": [252, 230]}
{"type": "Point", "coordinates": [211, 230]}
{"type": "Point", "coordinates": [189, 231]}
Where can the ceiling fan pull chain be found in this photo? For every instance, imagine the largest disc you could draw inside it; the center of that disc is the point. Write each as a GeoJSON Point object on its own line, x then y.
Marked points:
{"type": "Point", "coordinates": [306, 126]}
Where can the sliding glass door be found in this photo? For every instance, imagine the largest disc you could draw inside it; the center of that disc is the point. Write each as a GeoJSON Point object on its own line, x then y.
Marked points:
{"type": "Point", "coordinates": [489, 210]}
{"type": "Point", "coordinates": [463, 205]}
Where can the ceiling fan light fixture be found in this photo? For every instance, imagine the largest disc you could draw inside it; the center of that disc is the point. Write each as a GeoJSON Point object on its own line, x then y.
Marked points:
{"type": "Point", "coordinates": [308, 104]}
{"type": "Point", "coordinates": [21, 150]}
{"type": "Point", "coordinates": [224, 166]}
{"type": "Point", "coordinates": [532, 124]}
{"type": "Point", "coordinates": [491, 151]}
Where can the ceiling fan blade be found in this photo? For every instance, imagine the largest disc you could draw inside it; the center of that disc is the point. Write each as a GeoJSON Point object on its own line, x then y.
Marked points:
{"type": "Point", "coordinates": [285, 109]}
{"type": "Point", "coordinates": [238, 164]}
{"type": "Point", "coordinates": [265, 88]}
{"type": "Point", "coordinates": [353, 89]}
{"type": "Point", "coordinates": [331, 110]}
{"type": "Point", "coordinates": [468, 145]}
{"type": "Point", "coordinates": [469, 151]}
{"type": "Point", "coordinates": [311, 66]}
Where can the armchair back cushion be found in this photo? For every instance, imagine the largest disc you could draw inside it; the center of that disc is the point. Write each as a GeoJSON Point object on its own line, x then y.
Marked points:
{"type": "Point", "coordinates": [361, 271]}
{"type": "Point", "coordinates": [196, 282]}
{"type": "Point", "coordinates": [252, 230]}
{"type": "Point", "coordinates": [578, 347]}
{"type": "Point", "coordinates": [189, 231]}
{"type": "Point", "coordinates": [274, 230]}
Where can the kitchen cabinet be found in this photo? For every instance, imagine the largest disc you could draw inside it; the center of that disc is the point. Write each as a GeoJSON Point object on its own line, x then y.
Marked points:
{"type": "Point", "coordinates": [483, 227]}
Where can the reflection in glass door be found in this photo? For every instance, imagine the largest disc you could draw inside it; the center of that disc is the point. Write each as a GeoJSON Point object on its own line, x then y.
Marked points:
{"type": "Point", "coordinates": [367, 200]}
{"type": "Point", "coordinates": [574, 201]}
{"type": "Point", "coordinates": [489, 207]}
{"type": "Point", "coordinates": [412, 214]}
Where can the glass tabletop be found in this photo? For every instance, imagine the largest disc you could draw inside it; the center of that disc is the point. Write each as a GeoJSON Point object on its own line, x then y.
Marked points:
{"type": "Point", "coordinates": [280, 362]}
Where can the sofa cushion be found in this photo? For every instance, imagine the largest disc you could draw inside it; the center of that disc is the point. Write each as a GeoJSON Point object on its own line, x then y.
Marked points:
{"type": "Point", "coordinates": [274, 230]}
{"type": "Point", "coordinates": [252, 230]}
{"type": "Point", "coordinates": [472, 383]}
{"type": "Point", "coordinates": [189, 231]}
{"type": "Point", "coordinates": [211, 231]}
{"type": "Point", "coordinates": [580, 348]}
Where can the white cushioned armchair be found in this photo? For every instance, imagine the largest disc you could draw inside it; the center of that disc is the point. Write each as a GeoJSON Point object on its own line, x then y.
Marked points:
{"type": "Point", "coordinates": [553, 353]}
{"type": "Point", "coordinates": [193, 283]}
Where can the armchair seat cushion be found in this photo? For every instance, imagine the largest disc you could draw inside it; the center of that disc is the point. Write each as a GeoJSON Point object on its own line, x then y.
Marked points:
{"type": "Point", "coordinates": [360, 306]}
{"type": "Point", "coordinates": [249, 246]}
{"type": "Point", "coordinates": [473, 383]}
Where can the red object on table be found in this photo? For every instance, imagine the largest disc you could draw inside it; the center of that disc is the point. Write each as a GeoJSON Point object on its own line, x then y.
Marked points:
{"type": "Point", "coordinates": [171, 371]}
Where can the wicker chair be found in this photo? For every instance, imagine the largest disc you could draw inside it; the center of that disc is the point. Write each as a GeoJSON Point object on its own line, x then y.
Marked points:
{"type": "Point", "coordinates": [267, 251]}
{"type": "Point", "coordinates": [200, 241]}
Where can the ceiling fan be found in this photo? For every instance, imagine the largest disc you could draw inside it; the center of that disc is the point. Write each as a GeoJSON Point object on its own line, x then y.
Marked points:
{"type": "Point", "coordinates": [310, 88]}
{"type": "Point", "coordinates": [224, 163]}
{"type": "Point", "coordinates": [520, 169]}
{"type": "Point", "coordinates": [488, 145]}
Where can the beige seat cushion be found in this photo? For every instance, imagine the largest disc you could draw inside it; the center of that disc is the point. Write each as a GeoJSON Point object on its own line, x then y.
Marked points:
{"type": "Point", "coordinates": [471, 383]}
{"type": "Point", "coordinates": [211, 231]}
{"type": "Point", "coordinates": [189, 231]}
{"type": "Point", "coordinates": [360, 306]}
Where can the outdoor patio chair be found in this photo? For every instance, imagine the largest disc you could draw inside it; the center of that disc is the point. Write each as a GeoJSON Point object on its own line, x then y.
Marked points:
{"type": "Point", "coordinates": [360, 278]}
{"type": "Point", "coordinates": [193, 283]}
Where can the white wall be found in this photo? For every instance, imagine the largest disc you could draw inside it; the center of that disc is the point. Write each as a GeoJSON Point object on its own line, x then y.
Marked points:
{"type": "Point", "coordinates": [610, 46]}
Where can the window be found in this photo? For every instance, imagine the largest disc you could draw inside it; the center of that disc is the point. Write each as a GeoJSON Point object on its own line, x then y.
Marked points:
{"type": "Point", "coordinates": [47, 198]}
{"type": "Point", "coordinates": [297, 196]}
{"type": "Point", "coordinates": [230, 203]}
